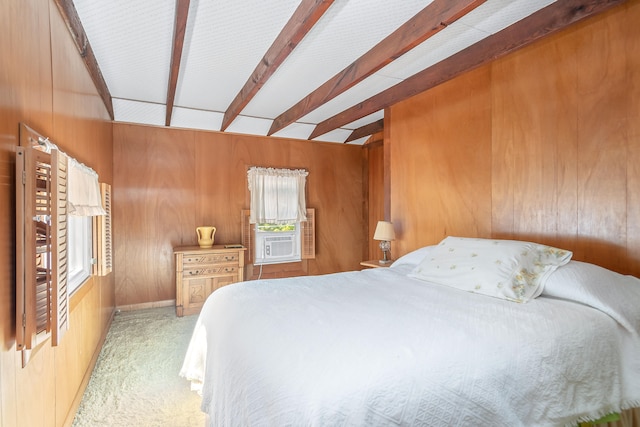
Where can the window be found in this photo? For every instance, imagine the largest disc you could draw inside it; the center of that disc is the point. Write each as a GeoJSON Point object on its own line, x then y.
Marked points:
{"type": "Point", "coordinates": [277, 243]}
{"type": "Point", "coordinates": [271, 227]}
{"type": "Point", "coordinates": [79, 250]}
{"type": "Point", "coordinates": [306, 230]}
{"type": "Point", "coordinates": [277, 195]}
{"type": "Point", "coordinates": [278, 206]}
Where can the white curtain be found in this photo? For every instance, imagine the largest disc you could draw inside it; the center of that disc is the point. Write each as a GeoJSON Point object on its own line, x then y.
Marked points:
{"type": "Point", "coordinates": [83, 195]}
{"type": "Point", "coordinates": [277, 195]}
{"type": "Point", "coordinates": [83, 190]}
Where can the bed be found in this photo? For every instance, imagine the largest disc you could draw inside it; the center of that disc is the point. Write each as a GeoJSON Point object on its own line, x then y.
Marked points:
{"type": "Point", "coordinates": [467, 332]}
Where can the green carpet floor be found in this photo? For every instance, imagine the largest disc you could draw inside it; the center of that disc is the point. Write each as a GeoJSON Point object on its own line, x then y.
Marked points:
{"type": "Point", "coordinates": [135, 381]}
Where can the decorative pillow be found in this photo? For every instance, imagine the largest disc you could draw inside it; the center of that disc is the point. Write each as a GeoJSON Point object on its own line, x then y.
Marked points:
{"type": "Point", "coordinates": [506, 269]}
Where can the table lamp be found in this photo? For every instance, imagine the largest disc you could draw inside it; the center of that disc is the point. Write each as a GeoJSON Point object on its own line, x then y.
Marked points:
{"type": "Point", "coordinates": [384, 233]}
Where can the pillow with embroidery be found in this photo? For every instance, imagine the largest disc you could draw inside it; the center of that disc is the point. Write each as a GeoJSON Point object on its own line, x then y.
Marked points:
{"type": "Point", "coordinates": [508, 269]}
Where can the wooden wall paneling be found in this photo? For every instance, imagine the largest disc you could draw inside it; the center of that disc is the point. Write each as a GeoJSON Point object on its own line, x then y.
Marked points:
{"type": "Point", "coordinates": [80, 352]}
{"type": "Point", "coordinates": [26, 66]}
{"type": "Point", "coordinates": [91, 331]}
{"type": "Point", "coordinates": [43, 85]}
{"type": "Point", "coordinates": [207, 174]}
{"type": "Point", "coordinates": [35, 387]}
{"type": "Point", "coordinates": [153, 209]}
{"type": "Point", "coordinates": [220, 185]}
{"type": "Point", "coordinates": [602, 141]}
{"type": "Point", "coordinates": [83, 128]}
{"type": "Point", "coordinates": [631, 18]}
{"type": "Point", "coordinates": [25, 84]}
{"type": "Point", "coordinates": [74, 356]}
{"type": "Point", "coordinates": [334, 174]}
{"type": "Point", "coordinates": [375, 191]}
{"type": "Point", "coordinates": [441, 163]}
{"type": "Point", "coordinates": [563, 141]}
{"type": "Point", "coordinates": [336, 194]}
{"type": "Point", "coordinates": [534, 144]}
{"type": "Point", "coordinates": [81, 121]}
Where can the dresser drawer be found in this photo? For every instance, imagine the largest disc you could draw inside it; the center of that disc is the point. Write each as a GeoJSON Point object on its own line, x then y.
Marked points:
{"type": "Point", "coordinates": [189, 260]}
{"type": "Point", "coordinates": [209, 270]}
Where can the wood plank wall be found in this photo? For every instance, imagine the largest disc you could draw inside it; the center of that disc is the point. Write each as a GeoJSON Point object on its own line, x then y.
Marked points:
{"type": "Point", "coordinates": [44, 84]}
{"type": "Point", "coordinates": [169, 181]}
{"type": "Point", "coordinates": [541, 145]}
{"type": "Point", "coordinates": [374, 192]}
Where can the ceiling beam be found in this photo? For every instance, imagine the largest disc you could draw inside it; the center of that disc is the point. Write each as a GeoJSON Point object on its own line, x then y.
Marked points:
{"type": "Point", "coordinates": [366, 130]}
{"type": "Point", "coordinates": [301, 22]}
{"type": "Point", "coordinates": [548, 20]}
{"type": "Point", "coordinates": [426, 23]}
{"type": "Point", "coordinates": [179, 30]}
{"type": "Point", "coordinates": [71, 18]}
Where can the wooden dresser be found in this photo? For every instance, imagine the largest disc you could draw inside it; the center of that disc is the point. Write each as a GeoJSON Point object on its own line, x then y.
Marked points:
{"type": "Point", "coordinates": [200, 271]}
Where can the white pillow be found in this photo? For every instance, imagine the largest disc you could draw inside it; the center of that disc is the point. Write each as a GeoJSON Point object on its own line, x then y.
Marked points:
{"type": "Point", "coordinates": [412, 258]}
{"type": "Point", "coordinates": [506, 269]}
{"type": "Point", "coordinates": [613, 293]}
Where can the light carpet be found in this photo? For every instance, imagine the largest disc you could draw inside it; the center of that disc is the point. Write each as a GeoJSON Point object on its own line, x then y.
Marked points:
{"type": "Point", "coordinates": [135, 381]}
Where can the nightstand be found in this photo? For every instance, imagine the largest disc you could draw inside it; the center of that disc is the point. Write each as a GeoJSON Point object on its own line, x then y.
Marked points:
{"type": "Point", "coordinates": [374, 263]}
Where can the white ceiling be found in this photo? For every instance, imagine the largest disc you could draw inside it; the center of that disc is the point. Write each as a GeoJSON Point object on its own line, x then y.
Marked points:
{"type": "Point", "coordinates": [226, 39]}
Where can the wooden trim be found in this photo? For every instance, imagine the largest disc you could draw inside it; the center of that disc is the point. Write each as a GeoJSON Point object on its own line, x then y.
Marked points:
{"type": "Point", "coordinates": [544, 22]}
{"type": "Point", "coordinates": [146, 305]}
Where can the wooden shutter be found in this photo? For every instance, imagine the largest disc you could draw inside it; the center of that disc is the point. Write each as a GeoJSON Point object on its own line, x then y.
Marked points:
{"type": "Point", "coordinates": [34, 278]}
{"type": "Point", "coordinates": [42, 310]}
{"type": "Point", "coordinates": [103, 247]}
{"type": "Point", "coordinates": [248, 237]}
{"type": "Point", "coordinates": [308, 235]}
{"type": "Point", "coordinates": [60, 294]}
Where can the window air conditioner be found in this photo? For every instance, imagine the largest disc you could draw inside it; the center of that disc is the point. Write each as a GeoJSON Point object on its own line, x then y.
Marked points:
{"type": "Point", "coordinates": [277, 247]}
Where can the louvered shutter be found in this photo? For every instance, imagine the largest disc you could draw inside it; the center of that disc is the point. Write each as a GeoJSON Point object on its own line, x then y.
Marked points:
{"type": "Point", "coordinates": [42, 301]}
{"type": "Point", "coordinates": [248, 237]}
{"type": "Point", "coordinates": [308, 235]}
{"type": "Point", "coordinates": [34, 279]}
{"type": "Point", "coordinates": [103, 235]}
{"type": "Point", "coordinates": [60, 294]}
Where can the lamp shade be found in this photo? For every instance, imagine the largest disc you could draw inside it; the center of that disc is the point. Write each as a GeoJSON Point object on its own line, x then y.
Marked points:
{"type": "Point", "coordinates": [384, 231]}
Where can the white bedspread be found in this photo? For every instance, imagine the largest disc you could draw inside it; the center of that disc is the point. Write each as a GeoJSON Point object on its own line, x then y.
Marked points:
{"type": "Point", "coordinates": [376, 348]}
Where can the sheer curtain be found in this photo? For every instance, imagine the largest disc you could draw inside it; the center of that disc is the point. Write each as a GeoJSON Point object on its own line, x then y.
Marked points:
{"type": "Point", "coordinates": [277, 195]}
{"type": "Point", "coordinates": [84, 191]}
{"type": "Point", "coordinates": [83, 196]}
